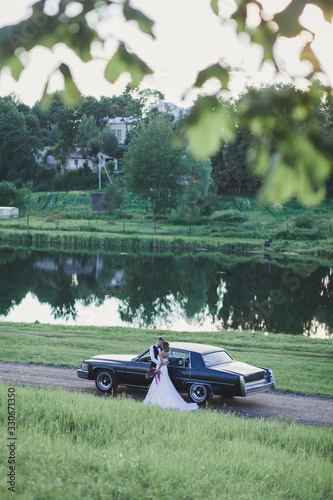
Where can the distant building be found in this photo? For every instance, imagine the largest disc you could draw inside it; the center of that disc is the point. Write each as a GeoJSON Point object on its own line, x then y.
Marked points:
{"type": "Point", "coordinates": [80, 157]}
{"type": "Point", "coordinates": [9, 213]}
{"type": "Point", "coordinates": [121, 127]}
{"type": "Point", "coordinates": [44, 156]}
{"type": "Point", "coordinates": [169, 107]}
{"type": "Point", "coordinates": [76, 160]}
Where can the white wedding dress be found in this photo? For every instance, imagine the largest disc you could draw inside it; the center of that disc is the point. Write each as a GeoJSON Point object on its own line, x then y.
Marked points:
{"type": "Point", "coordinates": [163, 393]}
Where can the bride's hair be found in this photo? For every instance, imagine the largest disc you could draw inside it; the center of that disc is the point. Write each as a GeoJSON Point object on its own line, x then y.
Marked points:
{"type": "Point", "coordinates": [166, 346]}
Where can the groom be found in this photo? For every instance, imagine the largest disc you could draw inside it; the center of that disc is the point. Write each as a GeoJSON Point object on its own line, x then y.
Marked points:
{"type": "Point", "coordinates": [154, 352]}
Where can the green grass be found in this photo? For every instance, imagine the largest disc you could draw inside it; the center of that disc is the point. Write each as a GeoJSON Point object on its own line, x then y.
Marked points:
{"type": "Point", "coordinates": [300, 364]}
{"type": "Point", "coordinates": [74, 446]}
{"type": "Point", "coordinates": [239, 223]}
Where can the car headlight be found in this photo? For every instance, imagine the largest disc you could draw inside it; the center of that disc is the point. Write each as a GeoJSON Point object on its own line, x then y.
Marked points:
{"type": "Point", "coordinates": [84, 366]}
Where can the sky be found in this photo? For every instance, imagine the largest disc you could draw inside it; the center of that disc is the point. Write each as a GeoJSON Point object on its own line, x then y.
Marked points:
{"type": "Point", "coordinates": [188, 38]}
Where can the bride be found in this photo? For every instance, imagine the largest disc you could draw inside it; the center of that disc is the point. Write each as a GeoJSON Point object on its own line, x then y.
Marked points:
{"type": "Point", "coordinates": [162, 392]}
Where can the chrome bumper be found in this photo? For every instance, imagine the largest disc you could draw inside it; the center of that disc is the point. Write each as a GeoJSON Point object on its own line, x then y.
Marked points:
{"type": "Point", "coordinates": [82, 374]}
{"type": "Point", "coordinates": [257, 386]}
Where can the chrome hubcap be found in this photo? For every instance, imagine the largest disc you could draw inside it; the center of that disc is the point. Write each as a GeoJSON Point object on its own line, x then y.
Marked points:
{"type": "Point", "coordinates": [198, 393]}
{"type": "Point", "coordinates": [104, 381]}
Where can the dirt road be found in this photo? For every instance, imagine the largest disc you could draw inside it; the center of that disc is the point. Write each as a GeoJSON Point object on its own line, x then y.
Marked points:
{"type": "Point", "coordinates": [301, 408]}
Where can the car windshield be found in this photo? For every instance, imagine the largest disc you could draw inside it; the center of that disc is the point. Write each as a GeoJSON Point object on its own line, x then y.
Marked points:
{"type": "Point", "coordinates": [216, 357]}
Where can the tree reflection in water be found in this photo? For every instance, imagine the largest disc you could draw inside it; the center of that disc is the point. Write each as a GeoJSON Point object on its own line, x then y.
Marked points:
{"type": "Point", "coordinates": [152, 288]}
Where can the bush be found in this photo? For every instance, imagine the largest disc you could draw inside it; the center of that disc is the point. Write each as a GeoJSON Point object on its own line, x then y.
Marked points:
{"type": "Point", "coordinates": [11, 196]}
{"type": "Point", "coordinates": [112, 198]}
{"type": "Point", "coordinates": [228, 215]}
{"type": "Point", "coordinates": [177, 220]}
{"type": "Point", "coordinates": [73, 180]}
{"type": "Point", "coordinates": [305, 220]}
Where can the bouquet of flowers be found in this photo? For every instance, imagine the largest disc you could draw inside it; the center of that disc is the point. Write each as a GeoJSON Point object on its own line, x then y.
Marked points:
{"type": "Point", "coordinates": [150, 373]}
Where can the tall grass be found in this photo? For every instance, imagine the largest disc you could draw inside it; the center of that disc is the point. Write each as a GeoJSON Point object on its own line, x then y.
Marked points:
{"type": "Point", "coordinates": [237, 224]}
{"type": "Point", "coordinates": [75, 446]}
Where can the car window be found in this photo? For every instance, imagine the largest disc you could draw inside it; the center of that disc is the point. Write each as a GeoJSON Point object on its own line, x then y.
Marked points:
{"type": "Point", "coordinates": [145, 357]}
{"type": "Point", "coordinates": [217, 357]}
{"type": "Point", "coordinates": [179, 358]}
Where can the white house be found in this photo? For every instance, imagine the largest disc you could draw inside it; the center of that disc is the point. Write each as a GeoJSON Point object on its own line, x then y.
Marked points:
{"type": "Point", "coordinates": [45, 156]}
{"type": "Point", "coordinates": [80, 157]}
{"type": "Point", "coordinates": [76, 160]}
{"type": "Point", "coordinates": [9, 213]}
{"type": "Point", "coordinates": [120, 127]}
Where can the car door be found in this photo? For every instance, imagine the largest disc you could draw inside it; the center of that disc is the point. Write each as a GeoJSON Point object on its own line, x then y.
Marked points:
{"type": "Point", "coordinates": [136, 370]}
{"type": "Point", "coordinates": [179, 368]}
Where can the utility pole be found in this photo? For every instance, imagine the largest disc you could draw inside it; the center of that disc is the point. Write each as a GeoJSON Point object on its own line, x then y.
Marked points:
{"type": "Point", "coordinates": [101, 164]}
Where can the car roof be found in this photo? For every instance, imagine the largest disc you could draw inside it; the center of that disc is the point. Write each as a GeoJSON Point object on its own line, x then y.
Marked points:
{"type": "Point", "coordinates": [189, 346]}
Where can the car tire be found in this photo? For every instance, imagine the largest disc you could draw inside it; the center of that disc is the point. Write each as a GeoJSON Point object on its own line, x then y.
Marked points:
{"type": "Point", "coordinates": [105, 381]}
{"type": "Point", "coordinates": [199, 393]}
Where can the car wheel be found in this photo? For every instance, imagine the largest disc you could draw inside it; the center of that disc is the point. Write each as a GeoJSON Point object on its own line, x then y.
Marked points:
{"type": "Point", "coordinates": [105, 381]}
{"type": "Point", "coordinates": [199, 393]}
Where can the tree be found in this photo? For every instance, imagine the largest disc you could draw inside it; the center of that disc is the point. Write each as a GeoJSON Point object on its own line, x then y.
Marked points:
{"type": "Point", "coordinates": [87, 129]}
{"type": "Point", "coordinates": [152, 165]}
{"type": "Point", "coordinates": [65, 130]}
{"type": "Point", "coordinates": [112, 198]}
{"type": "Point", "coordinates": [47, 117]}
{"type": "Point", "coordinates": [17, 144]}
{"type": "Point", "coordinates": [325, 117]}
{"type": "Point", "coordinates": [110, 143]}
{"type": "Point", "coordinates": [196, 182]}
{"type": "Point", "coordinates": [12, 197]}
{"type": "Point", "coordinates": [285, 174]}
{"type": "Point", "coordinates": [232, 170]}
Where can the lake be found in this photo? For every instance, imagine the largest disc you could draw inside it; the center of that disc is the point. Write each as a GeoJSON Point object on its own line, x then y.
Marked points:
{"type": "Point", "coordinates": [182, 292]}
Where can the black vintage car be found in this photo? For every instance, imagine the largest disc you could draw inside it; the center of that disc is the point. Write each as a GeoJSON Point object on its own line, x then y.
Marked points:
{"type": "Point", "coordinates": [198, 369]}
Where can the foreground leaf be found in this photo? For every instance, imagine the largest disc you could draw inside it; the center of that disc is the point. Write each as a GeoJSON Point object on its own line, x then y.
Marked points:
{"type": "Point", "coordinates": [145, 24]}
{"type": "Point", "coordinates": [214, 71]}
{"type": "Point", "coordinates": [71, 94]}
{"type": "Point", "coordinates": [207, 123]}
{"type": "Point", "coordinates": [125, 62]}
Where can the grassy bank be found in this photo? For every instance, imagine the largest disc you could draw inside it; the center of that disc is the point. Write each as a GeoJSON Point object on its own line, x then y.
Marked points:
{"type": "Point", "coordinates": [300, 364]}
{"type": "Point", "coordinates": [238, 223]}
{"type": "Point", "coordinates": [74, 446]}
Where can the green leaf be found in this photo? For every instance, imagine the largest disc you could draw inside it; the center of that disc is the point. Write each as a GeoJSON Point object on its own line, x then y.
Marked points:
{"type": "Point", "coordinates": [308, 55]}
{"type": "Point", "coordinates": [71, 94]}
{"type": "Point", "coordinates": [16, 67]}
{"type": "Point", "coordinates": [145, 24]}
{"type": "Point", "coordinates": [288, 18]}
{"type": "Point", "coordinates": [240, 16]}
{"type": "Point", "coordinates": [326, 6]}
{"type": "Point", "coordinates": [214, 71]}
{"type": "Point", "coordinates": [264, 36]}
{"type": "Point", "coordinates": [41, 29]}
{"type": "Point", "coordinates": [214, 6]}
{"type": "Point", "coordinates": [291, 171]}
{"type": "Point", "coordinates": [280, 185]}
{"type": "Point", "coordinates": [46, 99]}
{"type": "Point", "coordinates": [125, 62]}
{"type": "Point", "coordinates": [206, 125]}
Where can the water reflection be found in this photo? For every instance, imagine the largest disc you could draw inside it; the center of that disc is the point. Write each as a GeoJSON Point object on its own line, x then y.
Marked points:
{"type": "Point", "coordinates": [178, 292]}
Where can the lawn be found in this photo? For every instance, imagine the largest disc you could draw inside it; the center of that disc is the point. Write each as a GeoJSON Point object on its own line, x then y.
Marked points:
{"type": "Point", "coordinates": [74, 446]}
{"type": "Point", "coordinates": [240, 223]}
{"type": "Point", "coordinates": [300, 364]}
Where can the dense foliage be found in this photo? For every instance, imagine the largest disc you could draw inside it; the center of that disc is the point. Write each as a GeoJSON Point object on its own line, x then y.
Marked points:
{"type": "Point", "coordinates": [238, 166]}
{"type": "Point", "coordinates": [292, 159]}
{"type": "Point", "coordinates": [152, 165]}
